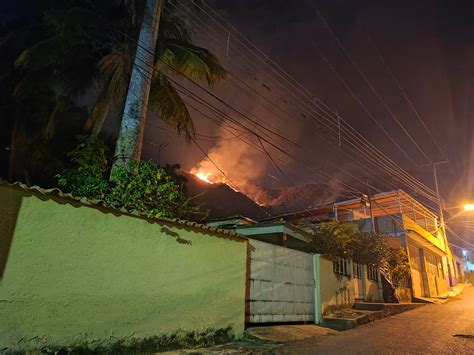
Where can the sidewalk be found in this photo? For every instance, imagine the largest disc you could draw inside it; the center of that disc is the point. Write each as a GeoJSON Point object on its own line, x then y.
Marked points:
{"type": "Point", "coordinates": [289, 339]}
{"type": "Point", "coordinates": [264, 340]}
{"type": "Point", "coordinates": [285, 333]}
{"type": "Point", "coordinates": [455, 291]}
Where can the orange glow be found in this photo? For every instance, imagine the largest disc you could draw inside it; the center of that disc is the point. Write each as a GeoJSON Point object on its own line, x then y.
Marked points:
{"type": "Point", "coordinates": [469, 207]}
{"type": "Point", "coordinates": [204, 177]}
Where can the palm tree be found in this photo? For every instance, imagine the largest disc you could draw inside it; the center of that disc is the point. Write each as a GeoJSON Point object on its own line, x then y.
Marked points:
{"type": "Point", "coordinates": [113, 64]}
{"type": "Point", "coordinates": [129, 142]}
{"type": "Point", "coordinates": [149, 84]}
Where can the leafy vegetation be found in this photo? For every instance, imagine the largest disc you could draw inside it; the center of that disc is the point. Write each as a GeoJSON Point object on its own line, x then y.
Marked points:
{"type": "Point", "coordinates": [145, 187]}
{"type": "Point", "coordinates": [66, 71]}
{"type": "Point", "coordinates": [344, 240]}
{"type": "Point", "coordinates": [397, 267]}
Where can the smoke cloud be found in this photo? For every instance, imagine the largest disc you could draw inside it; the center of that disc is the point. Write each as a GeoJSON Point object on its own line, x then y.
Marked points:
{"type": "Point", "coordinates": [237, 164]}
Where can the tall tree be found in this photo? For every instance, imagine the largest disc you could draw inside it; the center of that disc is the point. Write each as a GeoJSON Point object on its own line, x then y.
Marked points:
{"type": "Point", "coordinates": [130, 140]}
{"type": "Point", "coordinates": [87, 49]}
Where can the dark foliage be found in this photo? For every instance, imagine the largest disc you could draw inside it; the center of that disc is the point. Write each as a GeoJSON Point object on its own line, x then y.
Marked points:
{"type": "Point", "coordinates": [145, 187]}
{"type": "Point", "coordinates": [344, 240]}
{"type": "Point", "coordinates": [66, 67]}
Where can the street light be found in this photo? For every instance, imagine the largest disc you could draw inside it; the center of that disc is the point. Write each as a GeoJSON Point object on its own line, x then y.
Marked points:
{"type": "Point", "coordinates": [469, 207]}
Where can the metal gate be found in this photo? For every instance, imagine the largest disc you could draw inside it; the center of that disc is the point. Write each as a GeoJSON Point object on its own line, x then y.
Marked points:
{"type": "Point", "coordinates": [281, 284]}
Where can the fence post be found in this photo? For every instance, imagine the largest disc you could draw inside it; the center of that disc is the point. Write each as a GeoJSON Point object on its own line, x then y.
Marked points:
{"type": "Point", "coordinates": [317, 288]}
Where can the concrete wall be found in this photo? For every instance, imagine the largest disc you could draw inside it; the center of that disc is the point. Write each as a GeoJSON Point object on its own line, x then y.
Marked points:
{"type": "Point", "coordinates": [76, 274]}
{"type": "Point", "coordinates": [403, 294]}
{"type": "Point", "coordinates": [336, 291]}
{"type": "Point", "coordinates": [373, 290]}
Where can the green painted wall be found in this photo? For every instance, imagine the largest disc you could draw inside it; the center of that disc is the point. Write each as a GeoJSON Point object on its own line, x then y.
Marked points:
{"type": "Point", "coordinates": [336, 291]}
{"type": "Point", "coordinates": [78, 274]}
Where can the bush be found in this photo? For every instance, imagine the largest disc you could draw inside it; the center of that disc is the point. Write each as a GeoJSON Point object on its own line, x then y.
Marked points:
{"type": "Point", "coordinates": [334, 240]}
{"type": "Point", "coordinates": [344, 240]}
{"type": "Point", "coordinates": [148, 189]}
{"type": "Point", "coordinates": [89, 165]}
{"type": "Point", "coordinates": [397, 267]}
{"type": "Point", "coordinates": [144, 187]}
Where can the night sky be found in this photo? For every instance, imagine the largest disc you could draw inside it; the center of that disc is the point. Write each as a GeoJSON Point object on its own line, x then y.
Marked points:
{"type": "Point", "coordinates": [428, 45]}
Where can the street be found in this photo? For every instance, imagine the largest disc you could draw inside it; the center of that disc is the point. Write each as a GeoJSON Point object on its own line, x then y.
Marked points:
{"type": "Point", "coordinates": [427, 330]}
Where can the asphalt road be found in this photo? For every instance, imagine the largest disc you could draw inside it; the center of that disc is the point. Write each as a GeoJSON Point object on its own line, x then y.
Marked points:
{"type": "Point", "coordinates": [426, 330]}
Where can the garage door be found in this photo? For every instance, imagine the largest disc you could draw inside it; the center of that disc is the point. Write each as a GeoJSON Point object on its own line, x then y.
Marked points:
{"type": "Point", "coordinates": [281, 284]}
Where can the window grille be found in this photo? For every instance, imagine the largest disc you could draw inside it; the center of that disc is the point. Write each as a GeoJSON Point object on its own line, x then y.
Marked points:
{"type": "Point", "coordinates": [341, 266]}
{"type": "Point", "coordinates": [357, 270]}
{"type": "Point", "coordinates": [372, 273]}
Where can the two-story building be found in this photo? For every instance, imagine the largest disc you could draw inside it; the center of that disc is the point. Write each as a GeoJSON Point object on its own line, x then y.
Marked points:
{"type": "Point", "coordinates": [406, 222]}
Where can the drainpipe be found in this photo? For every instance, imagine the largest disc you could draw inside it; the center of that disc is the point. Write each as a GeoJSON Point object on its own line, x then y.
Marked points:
{"type": "Point", "coordinates": [317, 289]}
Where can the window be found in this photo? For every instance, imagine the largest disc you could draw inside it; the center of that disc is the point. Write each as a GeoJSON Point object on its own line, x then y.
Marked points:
{"type": "Point", "coordinates": [357, 270]}
{"type": "Point", "coordinates": [341, 266]}
{"type": "Point", "coordinates": [372, 273]}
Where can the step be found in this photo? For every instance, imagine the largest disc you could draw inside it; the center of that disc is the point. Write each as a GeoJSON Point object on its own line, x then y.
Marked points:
{"type": "Point", "coordinates": [351, 318]}
{"type": "Point", "coordinates": [369, 306]}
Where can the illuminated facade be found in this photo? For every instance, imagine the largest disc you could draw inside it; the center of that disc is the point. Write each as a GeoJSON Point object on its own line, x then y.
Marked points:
{"type": "Point", "coordinates": [407, 223]}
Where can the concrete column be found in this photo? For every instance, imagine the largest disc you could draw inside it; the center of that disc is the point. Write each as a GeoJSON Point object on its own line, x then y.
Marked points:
{"type": "Point", "coordinates": [317, 288]}
{"type": "Point", "coordinates": [364, 281]}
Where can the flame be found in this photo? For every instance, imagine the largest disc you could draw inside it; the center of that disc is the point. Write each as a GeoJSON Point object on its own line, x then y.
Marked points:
{"type": "Point", "coordinates": [208, 176]}
{"type": "Point", "coordinates": [204, 177]}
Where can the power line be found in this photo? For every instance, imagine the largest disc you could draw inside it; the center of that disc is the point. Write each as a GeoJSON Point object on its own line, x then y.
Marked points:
{"type": "Point", "coordinates": [405, 96]}
{"type": "Point", "coordinates": [367, 81]}
{"type": "Point", "coordinates": [364, 107]}
{"type": "Point", "coordinates": [417, 186]}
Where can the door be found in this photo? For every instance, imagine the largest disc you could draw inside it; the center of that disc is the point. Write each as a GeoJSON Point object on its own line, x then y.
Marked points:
{"type": "Point", "coordinates": [281, 284]}
{"type": "Point", "coordinates": [358, 273]}
{"type": "Point", "coordinates": [416, 272]}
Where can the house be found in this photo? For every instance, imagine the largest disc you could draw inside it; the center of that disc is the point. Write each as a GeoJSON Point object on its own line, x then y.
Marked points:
{"type": "Point", "coordinates": [288, 283]}
{"type": "Point", "coordinates": [273, 232]}
{"type": "Point", "coordinates": [407, 224]}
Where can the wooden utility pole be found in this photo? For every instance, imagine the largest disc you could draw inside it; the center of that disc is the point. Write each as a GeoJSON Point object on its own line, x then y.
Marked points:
{"type": "Point", "coordinates": [441, 216]}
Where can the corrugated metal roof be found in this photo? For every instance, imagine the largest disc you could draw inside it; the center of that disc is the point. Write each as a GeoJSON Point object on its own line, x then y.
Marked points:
{"type": "Point", "coordinates": [56, 192]}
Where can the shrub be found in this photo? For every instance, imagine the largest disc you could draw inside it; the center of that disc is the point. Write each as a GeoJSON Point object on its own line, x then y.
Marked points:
{"type": "Point", "coordinates": [397, 267]}
{"type": "Point", "coordinates": [148, 189]}
{"type": "Point", "coordinates": [89, 165]}
{"type": "Point", "coordinates": [144, 187]}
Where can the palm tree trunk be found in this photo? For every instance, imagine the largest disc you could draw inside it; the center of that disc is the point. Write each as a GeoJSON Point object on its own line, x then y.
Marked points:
{"type": "Point", "coordinates": [13, 153]}
{"type": "Point", "coordinates": [130, 140]}
{"type": "Point", "coordinates": [96, 120]}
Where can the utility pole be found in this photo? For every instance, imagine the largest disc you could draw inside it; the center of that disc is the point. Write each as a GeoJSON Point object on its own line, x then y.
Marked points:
{"type": "Point", "coordinates": [372, 220]}
{"type": "Point", "coordinates": [441, 215]}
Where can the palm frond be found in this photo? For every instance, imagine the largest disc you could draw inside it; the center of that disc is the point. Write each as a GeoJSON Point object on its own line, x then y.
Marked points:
{"type": "Point", "coordinates": [173, 27]}
{"type": "Point", "coordinates": [115, 69]}
{"type": "Point", "coordinates": [194, 62]}
{"type": "Point", "coordinates": [62, 104]}
{"type": "Point", "coordinates": [170, 107]}
{"type": "Point", "coordinates": [51, 51]}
